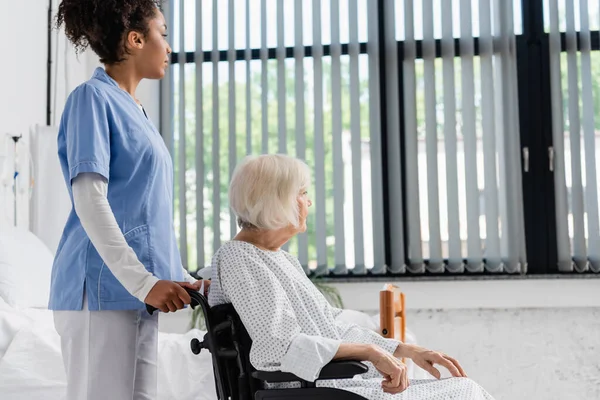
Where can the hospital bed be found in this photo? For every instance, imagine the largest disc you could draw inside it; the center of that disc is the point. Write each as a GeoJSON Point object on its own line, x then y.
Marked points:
{"type": "Point", "coordinates": [31, 366]}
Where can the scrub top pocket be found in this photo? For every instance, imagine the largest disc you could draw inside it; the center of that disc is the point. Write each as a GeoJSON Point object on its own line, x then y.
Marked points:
{"type": "Point", "coordinates": [109, 287]}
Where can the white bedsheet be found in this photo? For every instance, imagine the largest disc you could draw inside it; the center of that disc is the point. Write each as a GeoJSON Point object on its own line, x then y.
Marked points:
{"type": "Point", "coordinates": [31, 365]}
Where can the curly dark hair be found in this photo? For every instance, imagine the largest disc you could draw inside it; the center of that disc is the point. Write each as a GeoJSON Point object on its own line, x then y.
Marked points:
{"type": "Point", "coordinates": [103, 24]}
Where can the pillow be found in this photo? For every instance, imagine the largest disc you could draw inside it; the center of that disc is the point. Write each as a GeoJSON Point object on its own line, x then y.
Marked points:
{"type": "Point", "coordinates": [205, 273]}
{"type": "Point", "coordinates": [359, 318]}
{"type": "Point", "coordinates": [25, 269]}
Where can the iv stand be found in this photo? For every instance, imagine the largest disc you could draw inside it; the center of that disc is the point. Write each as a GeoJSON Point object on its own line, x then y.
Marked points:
{"type": "Point", "coordinates": [15, 174]}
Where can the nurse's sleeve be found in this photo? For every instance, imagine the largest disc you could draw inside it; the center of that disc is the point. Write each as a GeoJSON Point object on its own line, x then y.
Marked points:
{"type": "Point", "coordinates": [87, 132]}
{"type": "Point", "coordinates": [99, 223]}
{"type": "Point", "coordinates": [266, 312]}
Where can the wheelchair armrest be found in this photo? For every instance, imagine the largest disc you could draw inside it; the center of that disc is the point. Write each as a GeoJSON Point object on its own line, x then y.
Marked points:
{"type": "Point", "coordinates": [342, 370]}
{"type": "Point", "coordinates": [333, 370]}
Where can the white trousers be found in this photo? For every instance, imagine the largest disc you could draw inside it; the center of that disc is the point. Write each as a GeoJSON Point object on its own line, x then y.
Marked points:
{"type": "Point", "coordinates": [109, 354]}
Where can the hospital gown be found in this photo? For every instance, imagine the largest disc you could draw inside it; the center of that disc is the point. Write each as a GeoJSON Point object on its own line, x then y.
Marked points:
{"type": "Point", "coordinates": [294, 328]}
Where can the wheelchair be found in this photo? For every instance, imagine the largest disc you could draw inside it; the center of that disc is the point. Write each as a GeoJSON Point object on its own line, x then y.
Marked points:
{"type": "Point", "coordinates": [235, 378]}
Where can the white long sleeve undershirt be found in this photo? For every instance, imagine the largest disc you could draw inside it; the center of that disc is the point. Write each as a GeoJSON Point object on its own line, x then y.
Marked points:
{"type": "Point", "coordinates": [91, 205]}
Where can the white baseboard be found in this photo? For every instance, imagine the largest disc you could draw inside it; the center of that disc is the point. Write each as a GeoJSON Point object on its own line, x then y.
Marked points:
{"type": "Point", "coordinates": [457, 294]}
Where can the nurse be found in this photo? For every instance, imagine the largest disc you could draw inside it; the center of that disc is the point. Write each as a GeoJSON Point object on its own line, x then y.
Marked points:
{"type": "Point", "coordinates": [118, 249]}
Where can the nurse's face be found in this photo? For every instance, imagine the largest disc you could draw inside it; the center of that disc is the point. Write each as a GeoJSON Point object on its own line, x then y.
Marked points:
{"type": "Point", "coordinates": [152, 58]}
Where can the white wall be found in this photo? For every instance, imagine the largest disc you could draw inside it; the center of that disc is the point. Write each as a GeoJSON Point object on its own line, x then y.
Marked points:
{"type": "Point", "coordinates": [511, 293]}
{"type": "Point", "coordinates": [22, 74]}
{"type": "Point", "coordinates": [23, 80]}
{"type": "Point", "coordinates": [496, 294]}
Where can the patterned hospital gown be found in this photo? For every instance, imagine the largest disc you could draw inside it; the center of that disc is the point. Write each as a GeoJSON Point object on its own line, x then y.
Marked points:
{"type": "Point", "coordinates": [294, 328]}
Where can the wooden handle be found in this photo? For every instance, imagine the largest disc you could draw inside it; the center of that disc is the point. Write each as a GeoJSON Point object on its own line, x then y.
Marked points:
{"type": "Point", "coordinates": [386, 313]}
{"type": "Point", "coordinates": [403, 318]}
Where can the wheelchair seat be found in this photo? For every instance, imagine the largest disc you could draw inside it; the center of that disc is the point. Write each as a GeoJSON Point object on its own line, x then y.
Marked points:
{"type": "Point", "coordinates": [235, 378]}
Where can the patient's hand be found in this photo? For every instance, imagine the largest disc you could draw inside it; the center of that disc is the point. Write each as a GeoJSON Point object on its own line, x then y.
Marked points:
{"type": "Point", "coordinates": [426, 359]}
{"type": "Point", "coordinates": [394, 372]}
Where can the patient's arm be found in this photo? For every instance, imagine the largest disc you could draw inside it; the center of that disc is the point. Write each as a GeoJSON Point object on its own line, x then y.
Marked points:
{"type": "Point", "coordinates": [357, 334]}
{"type": "Point", "coordinates": [423, 357]}
{"type": "Point", "coordinates": [395, 378]}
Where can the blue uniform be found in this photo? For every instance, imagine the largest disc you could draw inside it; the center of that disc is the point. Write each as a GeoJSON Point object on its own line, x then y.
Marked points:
{"type": "Point", "coordinates": [102, 130]}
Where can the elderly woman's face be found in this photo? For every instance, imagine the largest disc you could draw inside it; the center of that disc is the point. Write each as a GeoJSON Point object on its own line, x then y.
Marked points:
{"type": "Point", "coordinates": [303, 203]}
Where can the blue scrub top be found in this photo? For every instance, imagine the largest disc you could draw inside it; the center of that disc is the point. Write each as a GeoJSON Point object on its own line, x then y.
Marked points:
{"type": "Point", "coordinates": [103, 130]}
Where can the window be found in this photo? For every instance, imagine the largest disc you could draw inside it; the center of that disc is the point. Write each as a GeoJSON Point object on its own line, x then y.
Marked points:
{"type": "Point", "coordinates": [269, 78]}
{"type": "Point", "coordinates": [575, 81]}
{"type": "Point", "coordinates": [441, 139]}
{"type": "Point", "coordinates": [459, 134]}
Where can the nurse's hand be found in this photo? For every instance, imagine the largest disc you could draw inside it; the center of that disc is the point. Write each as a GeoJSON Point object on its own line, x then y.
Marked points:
{"type": "Point", "coordinates": [167, 296]}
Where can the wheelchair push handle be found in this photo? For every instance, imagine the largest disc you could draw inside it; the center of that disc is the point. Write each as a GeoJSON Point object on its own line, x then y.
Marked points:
{"type": "Point", "coordinates": [194, 295]}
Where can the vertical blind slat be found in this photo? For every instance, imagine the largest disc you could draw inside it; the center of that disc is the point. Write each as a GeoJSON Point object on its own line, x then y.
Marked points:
{"type": "Point", "coordinates": [431, 141]}
{"type": "Point", "coordinates": [377, 239]}
{"type": "Point", "coordinates": [500, 128]}
{"type": "Point", "coordinates": [591, 187]}
{"type": "Point", "coordinates": [281, 80]}
{"type": "Point", "coordinates": [232, 108]}
{"type": "Point", "coordinates": [415, 252]}
{"type": "Point", "coordinates": [168, 99]}
{"type": "Point", "coordinates": [199, 151]}
{"type": "Point", "coordinates": [166, 94]}
{"type": "Point", "coordinates": [336, 126]}
{"type": "Point", "coordinates": [474, 254]}
{"type": "Point", "coordinates": [300, 115]}
{"type": "Point", "coordinates": [562, 230]}
{"type": "Point", "coordinates": [579, 246]}
{"type": "Point", "coordinates": [281, 100]}
{"type": "Point", "coordinates": [182, 185]}
{"type": "Point", "coordinates": [321, 225]}
{"type": "Point", "coordinates": [247, 57]}
{"type": "Point", "coordinates": [264, 77]}
{"type": "Point", "coordinates": [216, 133]}
{"type": "Point", "coordinates": [394, 162]}
{"type": "Point", "coordinates": [450, 140]}
{"type": "Point", "coordinates": [511, 201]}
{"type": "Point", "coordinates": [356, 144]}
{"type": "Point", "coordinates": [516, 162]}
{"type": "Point", "coordinates": [486, 53]}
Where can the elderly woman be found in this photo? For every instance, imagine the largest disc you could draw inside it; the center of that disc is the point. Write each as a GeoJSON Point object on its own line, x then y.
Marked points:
{"type": "Point", "coordinates": [292, 326]}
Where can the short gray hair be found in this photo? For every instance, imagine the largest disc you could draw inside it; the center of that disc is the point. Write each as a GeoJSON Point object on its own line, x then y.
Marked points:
{"type": "Point", "coordinates": [264, 191]}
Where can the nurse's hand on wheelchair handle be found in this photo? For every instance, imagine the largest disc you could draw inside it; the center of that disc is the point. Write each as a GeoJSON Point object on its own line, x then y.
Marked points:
{"type": "Point", "coordinates": [167, 296]}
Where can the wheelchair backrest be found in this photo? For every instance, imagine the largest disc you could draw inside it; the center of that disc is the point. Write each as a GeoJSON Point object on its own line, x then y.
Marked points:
{"type": "Point", "coordinates": [230, 344]}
